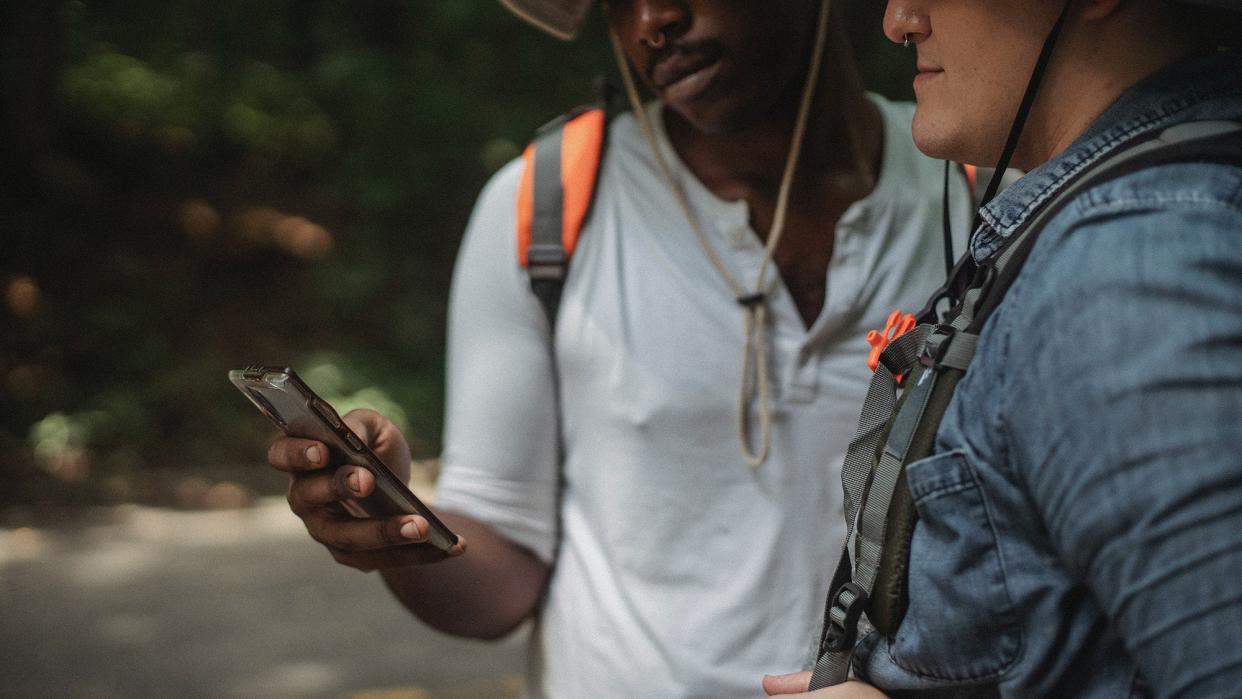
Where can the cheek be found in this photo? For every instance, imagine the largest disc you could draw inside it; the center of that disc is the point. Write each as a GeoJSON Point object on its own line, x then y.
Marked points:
{"type": "Point", "coordinates": [987, 48]}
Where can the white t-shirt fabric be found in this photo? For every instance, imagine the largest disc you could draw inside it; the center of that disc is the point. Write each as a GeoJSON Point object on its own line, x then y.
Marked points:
{"type": "Point", "coordinates": [681, 571]}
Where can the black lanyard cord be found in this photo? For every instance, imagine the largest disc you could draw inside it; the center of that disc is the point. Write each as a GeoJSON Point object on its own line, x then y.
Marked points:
{"type": "Point", "coordinates": [1024, 111]}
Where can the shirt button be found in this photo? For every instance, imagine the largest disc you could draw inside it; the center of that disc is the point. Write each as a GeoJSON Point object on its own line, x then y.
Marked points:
{"type": "Point", "coordinates": [740, 237]}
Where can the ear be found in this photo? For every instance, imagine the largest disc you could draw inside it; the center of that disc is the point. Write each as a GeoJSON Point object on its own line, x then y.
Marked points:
{"type": "Point", "coordinates": [1100, 9]}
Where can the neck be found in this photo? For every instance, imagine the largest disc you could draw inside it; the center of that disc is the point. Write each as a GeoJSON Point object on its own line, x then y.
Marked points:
{"type": "Point", "coordinates": [1087, 75]}
{"type": "Point", "coordinates": [842, 144]}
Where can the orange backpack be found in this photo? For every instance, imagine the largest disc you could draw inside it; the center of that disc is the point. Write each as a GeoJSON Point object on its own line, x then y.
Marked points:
{"type": "Point", "coordinates": [560, 172]}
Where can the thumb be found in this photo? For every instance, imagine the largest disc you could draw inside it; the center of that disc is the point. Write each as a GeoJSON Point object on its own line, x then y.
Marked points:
{"type": "Point", "coordinates": [365, 423]}
{"type": "Point", "coordinates": [794, 683]}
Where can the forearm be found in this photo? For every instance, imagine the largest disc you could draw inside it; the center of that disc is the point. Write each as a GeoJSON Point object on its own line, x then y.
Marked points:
{"type": "Point", "coordinates": [485, 593]}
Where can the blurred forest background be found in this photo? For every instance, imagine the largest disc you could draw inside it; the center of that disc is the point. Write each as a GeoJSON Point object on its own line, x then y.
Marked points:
{"type": "Point", "coordinates": [187, 187]}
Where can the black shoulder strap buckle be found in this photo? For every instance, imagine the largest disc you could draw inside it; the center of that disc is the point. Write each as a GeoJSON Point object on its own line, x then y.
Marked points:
{"type": "Point", "coordinates": [845, 610]}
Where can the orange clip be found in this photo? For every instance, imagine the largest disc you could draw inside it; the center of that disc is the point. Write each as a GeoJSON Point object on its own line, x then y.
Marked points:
{"type": "Point", "coordinates": [898, 324]}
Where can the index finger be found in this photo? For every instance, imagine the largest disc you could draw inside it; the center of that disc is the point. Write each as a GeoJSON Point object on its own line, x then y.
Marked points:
{"type": "Point", "coordinates": [292, 454]}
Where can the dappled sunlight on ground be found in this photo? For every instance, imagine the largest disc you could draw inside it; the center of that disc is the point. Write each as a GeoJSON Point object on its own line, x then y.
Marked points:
{"type": "Point", "coordinates": [140, 601]}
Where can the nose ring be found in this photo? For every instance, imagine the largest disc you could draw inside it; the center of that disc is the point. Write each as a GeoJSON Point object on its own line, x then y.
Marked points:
{"type": "Point", "coordinates": [656, 42]}
{"type": "Point", "coordinates": [906, 44]}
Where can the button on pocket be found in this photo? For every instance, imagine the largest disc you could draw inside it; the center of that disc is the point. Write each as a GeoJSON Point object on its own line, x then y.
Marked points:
{"type": "Point", "coordinates": [960, 624]}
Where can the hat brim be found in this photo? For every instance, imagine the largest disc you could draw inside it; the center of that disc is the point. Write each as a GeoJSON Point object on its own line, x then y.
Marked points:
{"type": "Point", "coordinates": [560, 18]}
{"type": "Point", "coordinates": [1229, 5]}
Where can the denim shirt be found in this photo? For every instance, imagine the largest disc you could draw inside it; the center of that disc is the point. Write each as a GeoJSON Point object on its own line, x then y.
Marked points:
{"type": "Point", "coordinates": [1080, 527]}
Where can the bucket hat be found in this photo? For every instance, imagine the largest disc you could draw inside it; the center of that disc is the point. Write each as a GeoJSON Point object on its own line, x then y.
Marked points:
{"type": "Point", "coordinates": [560, 18]}
{"type": "Point", "coordinates": [563, 18]}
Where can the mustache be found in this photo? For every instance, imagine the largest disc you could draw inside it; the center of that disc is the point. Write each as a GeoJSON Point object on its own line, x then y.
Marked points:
{"type": "Point", "coordinates": [682, 47]}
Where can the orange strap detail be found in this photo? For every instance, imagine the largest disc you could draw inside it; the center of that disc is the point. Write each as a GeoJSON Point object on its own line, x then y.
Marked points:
{"type": "Point", "coordinates": [582, 141]}
{"type": "Point", "coordinates": [972, 176]}
{"type": "Point", "coordinates": [526, 203]}
{"type": "Point", "coordinates": [581, 146]}
{"type": "Point", "coordinates": [898, 324]}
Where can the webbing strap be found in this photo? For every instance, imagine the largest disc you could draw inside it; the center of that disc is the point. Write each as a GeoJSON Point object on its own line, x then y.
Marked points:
{"type": "Point", "coordinates": [546, 258]}
{"type": "Point", "coordinates": [862, 473]}
{"type": "Point", "coordinates": [897, 358]}
{"type": "Point", "coordinates": [960, 351]}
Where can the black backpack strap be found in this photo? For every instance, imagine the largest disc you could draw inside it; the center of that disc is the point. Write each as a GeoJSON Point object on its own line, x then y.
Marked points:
{"type": "Point", "coordinates": [556, 195]}
{"type": "Point", "coordinates": [547, 259]}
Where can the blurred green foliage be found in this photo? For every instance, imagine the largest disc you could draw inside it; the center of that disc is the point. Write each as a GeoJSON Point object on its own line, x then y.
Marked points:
{"type": "Point", "coordinates": [187, 187]}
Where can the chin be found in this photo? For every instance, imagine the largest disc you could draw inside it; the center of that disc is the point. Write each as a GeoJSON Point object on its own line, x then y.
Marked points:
{"type": "Point", "coordinates": [715, 119]}
{"type": "Point", "coordinates": [943, 139]}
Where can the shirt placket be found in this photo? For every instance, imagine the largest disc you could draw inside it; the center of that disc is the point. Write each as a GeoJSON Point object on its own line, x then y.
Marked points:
{"type": "Point", "coordinates": [788, 358]}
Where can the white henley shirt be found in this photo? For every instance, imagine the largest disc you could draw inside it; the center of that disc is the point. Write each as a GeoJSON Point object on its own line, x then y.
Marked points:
{"type": "Point", "coordinates": [681, 571]}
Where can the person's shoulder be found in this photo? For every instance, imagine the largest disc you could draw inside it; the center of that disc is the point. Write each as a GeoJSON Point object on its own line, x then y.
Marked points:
{"type": "Point", "coordinates": [501, 188]}
{"type": "Point", "coordinates": [626, 141]}
{"type": "Point", "coordinates": [1176, 187]}
{"type": "Point", "coordinates": [1149, 234]}
{"type": "Point", "coordinates": [1173, 214]}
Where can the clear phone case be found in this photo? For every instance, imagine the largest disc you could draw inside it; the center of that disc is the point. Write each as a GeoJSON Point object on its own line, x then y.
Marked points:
{"type": "Point", "coordinates": [280, 394]}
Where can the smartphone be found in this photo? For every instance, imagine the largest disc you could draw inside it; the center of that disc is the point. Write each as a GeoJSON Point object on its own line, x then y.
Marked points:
{"type": "Point", "coordinates": [281, 395]}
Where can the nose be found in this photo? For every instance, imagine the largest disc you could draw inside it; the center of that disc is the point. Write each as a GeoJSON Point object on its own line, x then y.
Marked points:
{"type": "Point", "coordinates": [905, 20]}
{"type": "Point", "coordinates": [655, 22]}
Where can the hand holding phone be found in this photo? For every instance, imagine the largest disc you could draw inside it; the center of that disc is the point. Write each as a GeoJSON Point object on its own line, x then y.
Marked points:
{"type": "Point", "coordinates": [341, 483]}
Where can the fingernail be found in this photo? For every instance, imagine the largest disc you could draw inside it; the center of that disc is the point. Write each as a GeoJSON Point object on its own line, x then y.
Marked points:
{"type": "Point", "coordinates": [314, 454]}
{"type": "Point", "coordinates": [411, 530]}
{"type": "Point", "coordinates": [355, 482]}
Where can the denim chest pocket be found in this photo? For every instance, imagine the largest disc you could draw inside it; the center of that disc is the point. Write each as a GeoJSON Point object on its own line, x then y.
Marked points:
{"type": "Point", "coordinates": [960, 623]}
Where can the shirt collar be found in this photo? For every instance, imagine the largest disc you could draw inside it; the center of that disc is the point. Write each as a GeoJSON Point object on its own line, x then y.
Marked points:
{"type": "Point", "coordinates": [1204, 87]}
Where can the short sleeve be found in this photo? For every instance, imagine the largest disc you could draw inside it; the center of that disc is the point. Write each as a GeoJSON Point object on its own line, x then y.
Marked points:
{"type": "Point", "coordinates": [499, 463]}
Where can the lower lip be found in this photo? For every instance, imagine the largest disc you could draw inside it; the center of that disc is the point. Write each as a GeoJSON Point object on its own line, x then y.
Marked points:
{"type": "Point", "coordinates": [923, 78]}
{"type": "Point", "coordinates": [693, 84]}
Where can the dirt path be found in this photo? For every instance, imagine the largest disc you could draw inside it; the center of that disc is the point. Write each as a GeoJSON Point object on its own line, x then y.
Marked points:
{"type": "Point", "coordinates": [235, 603]}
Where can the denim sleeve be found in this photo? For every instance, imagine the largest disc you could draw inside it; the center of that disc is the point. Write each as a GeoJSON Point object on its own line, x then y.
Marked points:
{"type": "Point", "coordinates": [1124, 421]}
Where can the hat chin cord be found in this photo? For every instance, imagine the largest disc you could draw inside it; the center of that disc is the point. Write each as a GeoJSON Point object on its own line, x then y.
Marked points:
{"type": "Point", "coordinates": [1024, 111]}
{"type": "Point", "coordinates": [754, 302]}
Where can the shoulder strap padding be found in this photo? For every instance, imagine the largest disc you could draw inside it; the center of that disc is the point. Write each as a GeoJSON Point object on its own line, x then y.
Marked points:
{"type": "Point", "coordinates": [556, 190]}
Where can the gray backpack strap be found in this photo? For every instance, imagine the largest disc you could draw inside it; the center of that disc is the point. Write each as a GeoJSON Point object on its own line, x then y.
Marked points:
{"type": "Point", "coordinates": [555, 198]}
{"type": "Point", "coordinates": [547, 260]}
{"type": "Point", "coordinates": [873, 471]}
{"type": "Point", "coordinates": [878, 507]}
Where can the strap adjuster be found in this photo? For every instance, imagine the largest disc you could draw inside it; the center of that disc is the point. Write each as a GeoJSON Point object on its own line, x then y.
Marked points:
{"type": "Point", "coordinates": [842, 628]}
{"type": "Point", "coordinates": [546, 262]}
{"type": "Point", "coordinates": [752, 300]}
{"type": "Point", "coordinates": [937, 345]}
